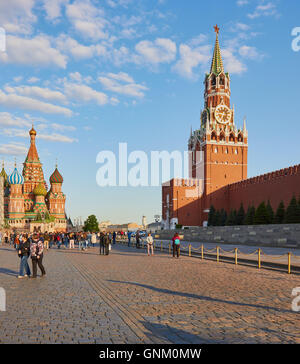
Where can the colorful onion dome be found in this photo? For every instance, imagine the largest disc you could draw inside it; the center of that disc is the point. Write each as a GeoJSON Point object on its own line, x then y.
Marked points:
{"type": "Point", "coordinates": [15, 178]}
{"type": "Point", "coordinates": [3, 173]}
{"type": "Point", "coordinates": [56, 177]}
{"type": "Point", "coordinates": [32, 131]}
{"type": "Point", "coordinates": [40, 190]}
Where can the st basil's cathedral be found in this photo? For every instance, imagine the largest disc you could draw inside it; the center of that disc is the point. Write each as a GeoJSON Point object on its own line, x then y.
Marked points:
{"type": "Point", "coordinates": [28, 205]}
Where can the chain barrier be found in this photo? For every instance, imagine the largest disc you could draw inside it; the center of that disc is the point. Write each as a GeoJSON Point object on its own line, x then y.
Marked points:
{"type": "Point", "coordinates": [219, 250]}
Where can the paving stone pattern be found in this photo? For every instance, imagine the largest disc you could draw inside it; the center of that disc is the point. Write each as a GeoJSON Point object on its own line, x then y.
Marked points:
{"type": "Point", "coordinates": [128, 297]}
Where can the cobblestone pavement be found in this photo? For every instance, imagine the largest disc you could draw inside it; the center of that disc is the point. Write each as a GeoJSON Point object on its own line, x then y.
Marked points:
{"type": "Point", "coordinates": [128, 297]}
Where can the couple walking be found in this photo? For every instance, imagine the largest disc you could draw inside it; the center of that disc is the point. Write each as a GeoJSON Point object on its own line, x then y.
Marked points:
{"type": "Point", "coordinates": [34, 249]}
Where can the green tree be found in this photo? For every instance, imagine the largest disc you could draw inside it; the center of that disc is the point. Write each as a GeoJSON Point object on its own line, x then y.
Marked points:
{"type": "Point", "coordinates": [292, 215]}
{"type": "Point", "coordinates": [240, 217]}
{"type": "Point", "coordinates": [217, 219]}
{"type": "Point", "coordinates": [270, 213]}
{"type": "Point", "coordinates": [223, 217]}
{"type": "Point", "coordinates": [91, 224]}
{"type": "Point", "coordinates": [211, 216]}
{"type": "Point", "coordinates": [261, 215]}
{"type": "Point", "coordinates": [249, 218]}
{"type": "Point", "coordinates": [280, 214]}
{"type": "Point", "coordinates": [231, 219]}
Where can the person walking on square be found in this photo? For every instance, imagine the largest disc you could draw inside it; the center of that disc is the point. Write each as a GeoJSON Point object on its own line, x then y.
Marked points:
{"type": "Point", "coordinates": [176, 245]}
{"type": "Point", "coordinates": [102, 246]}
{"type": "Point", "coordinates": [150, 244]}
{"type": "Point", "coordinates": [46, 240]}
{"type": "Point", "coordinates": [129, 237]}
{"type": "Point", "coordinates": [24, 252]}
{"type": "Point", "coordinates": [114, 237]}
{"type": "Point", "coordinates": [107, 243]}
{"type": "Point", "coordinates": [93, 239]}
{"type": "Point", "coordinates": [138, 239]}
{"type": "Point", "coordinates": [37, 253]}
{"type": "Point", "coordinates": [71, 245]}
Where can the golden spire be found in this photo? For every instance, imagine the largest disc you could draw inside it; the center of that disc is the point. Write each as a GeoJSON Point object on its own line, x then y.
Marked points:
{"type": "Point", "coordinates": [217, 63]}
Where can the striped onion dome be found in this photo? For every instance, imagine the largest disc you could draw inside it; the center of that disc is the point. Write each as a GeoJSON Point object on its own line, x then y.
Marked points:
{"type": "Point", "coordinates": [40, 190]}
{"type": "Point", "coordinates": [15, 178]}
{"type": "Point", "coordinates": [56, 177]}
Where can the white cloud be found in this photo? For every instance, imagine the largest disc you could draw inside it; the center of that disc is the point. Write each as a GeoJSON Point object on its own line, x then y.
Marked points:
{"type": "Point", "coordinates": [35, 91]}
{"type": "Point", "coordinates": [53, 8]}
{"type": "Point", "coordinates": [87, 19]}
{"type": "Point", "coordinates": [268, 9]}
{"type": "Point", "coordinates": [33, 80]}
{"type": "Point", "coordinates": [61, 127]}
{"type": "Point", "coordinates": [242, 2]}
{"type": "Point", "coordinates": [231, 63]}
{"type": "Point", "coordinates": [250, 53]}
{"type": "Point", "coordinates": [36, 51]}
{"type": "Point", "coordinates": [129, 89]}
{"type": "Point", "coordinates": [16, 16]}
{"type": "Point", "coordinates": [191, 58]}
{"type": "Point", "coordinates": [8, 120]}
{"type": "Point", "coordinates": [162, 50]}
{"type": "Point", "coordinates": [54, 137]}
{"type": "Point", "coordinates": [13, 149]}
{"type": "Point", "coordinates": [28, 103]}
{"type": "Point", "coordinates": [84, 93]}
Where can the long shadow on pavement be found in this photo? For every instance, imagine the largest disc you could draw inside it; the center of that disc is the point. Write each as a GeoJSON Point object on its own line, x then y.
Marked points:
{"type": "Point", "coordinates": [174, 335]}
{"type": "Point", "coordinates": [203, 298]}
{"type": "Point", "coordinates": [8, 272]}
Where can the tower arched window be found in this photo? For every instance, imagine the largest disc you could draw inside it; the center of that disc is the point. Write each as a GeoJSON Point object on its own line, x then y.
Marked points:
{"type": "Point", "coordinates": [231, 137]}
{"type": "Point", "coordinates": [213, 81]}
{"type": "Point", "coordinates": [240, 138]}
{"type": "Point", "coordinates": [213, 136]}
{"type": "Point", "coordinates": [222, 81]}
{"type": "Point", "coordinates": [222, 137]}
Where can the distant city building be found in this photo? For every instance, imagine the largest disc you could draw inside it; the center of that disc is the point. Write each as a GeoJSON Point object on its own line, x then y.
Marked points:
{"type": "Point", "coordinates": [103, 225]}
{"type": "Point", "coordinates": [144, 221]}
{"type": "Point", "coordinates": [123, 227]}
{"type": "Point", "coordinates": [27, 203]}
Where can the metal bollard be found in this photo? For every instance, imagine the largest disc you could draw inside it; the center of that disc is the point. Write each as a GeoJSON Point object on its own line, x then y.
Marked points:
{"type": "Point", "coordinates": [202, 252]}
{"type": "Point", "coordinates": [170, 248]}
{"type": "Point", "coordinates": [190, 250]}
{"type": "Point", "coordinates": [218, 254]}
{"type": "Point", "coordinates": [161, 246]}
{"type": "Point", "coordinates": [259, 260]}
{"type": "Point", "coordinates": [236, 256]}
{"type": "Point", "coordinates": [289, 263]}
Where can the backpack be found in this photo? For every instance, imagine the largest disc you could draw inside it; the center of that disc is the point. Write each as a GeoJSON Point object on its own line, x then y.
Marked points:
{"type": "Point", "coordinates": [177, 241]}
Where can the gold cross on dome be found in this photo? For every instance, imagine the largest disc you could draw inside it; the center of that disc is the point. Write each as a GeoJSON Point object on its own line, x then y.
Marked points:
{"type": "Point", "coordinates": [217, 29]}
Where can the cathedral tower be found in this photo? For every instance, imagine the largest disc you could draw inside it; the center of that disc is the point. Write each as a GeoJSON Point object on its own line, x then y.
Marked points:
{"type": "Point", "coordinates": [222, 145]}
{"type": "Point", "coordinates": [56, 198]}
{"type": "Point", "coordinates": [16, 199]}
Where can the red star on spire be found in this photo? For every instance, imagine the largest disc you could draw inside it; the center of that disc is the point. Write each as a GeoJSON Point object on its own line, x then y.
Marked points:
{"type": "Point", "coordinates": [217, 29]}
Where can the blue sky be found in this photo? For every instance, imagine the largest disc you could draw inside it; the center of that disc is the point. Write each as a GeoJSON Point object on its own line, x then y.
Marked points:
{"type": "Point", "coordinates": [91, 74]}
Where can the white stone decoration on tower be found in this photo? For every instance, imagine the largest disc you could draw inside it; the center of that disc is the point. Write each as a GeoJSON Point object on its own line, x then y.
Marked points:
{"type": "Point", "coordinates": [1, 201]}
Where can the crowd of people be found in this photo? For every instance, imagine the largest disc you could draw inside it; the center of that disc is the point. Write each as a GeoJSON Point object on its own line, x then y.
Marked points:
{"type": "Point", "coordinates": [34, 245]}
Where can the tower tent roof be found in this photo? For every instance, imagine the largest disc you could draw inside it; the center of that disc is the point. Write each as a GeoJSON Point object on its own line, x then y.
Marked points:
{"type": "Point", "coordinates": [32, 155]}
{"type": "Point", "coordinates": [217, 62]}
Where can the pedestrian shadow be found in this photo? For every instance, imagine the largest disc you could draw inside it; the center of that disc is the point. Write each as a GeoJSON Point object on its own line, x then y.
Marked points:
{"type": "Point", "coordinates": [8, 272]}
{"type": "Point", "coordinates": [171, 335]}
{"type": "Point", "coordinates": [204, 298]}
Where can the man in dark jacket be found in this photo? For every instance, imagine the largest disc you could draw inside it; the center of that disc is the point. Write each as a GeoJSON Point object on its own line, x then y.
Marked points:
{"type": "Point", "coordinates": [102, 246]}
{"type": "Point", "coordinates": [107, 242]}
{"type": "Point", "coordinates": [24, 252]}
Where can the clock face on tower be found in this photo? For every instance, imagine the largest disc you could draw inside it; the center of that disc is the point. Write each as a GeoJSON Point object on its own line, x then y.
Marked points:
{"type": "Point", "coordinates": [223, 114]}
